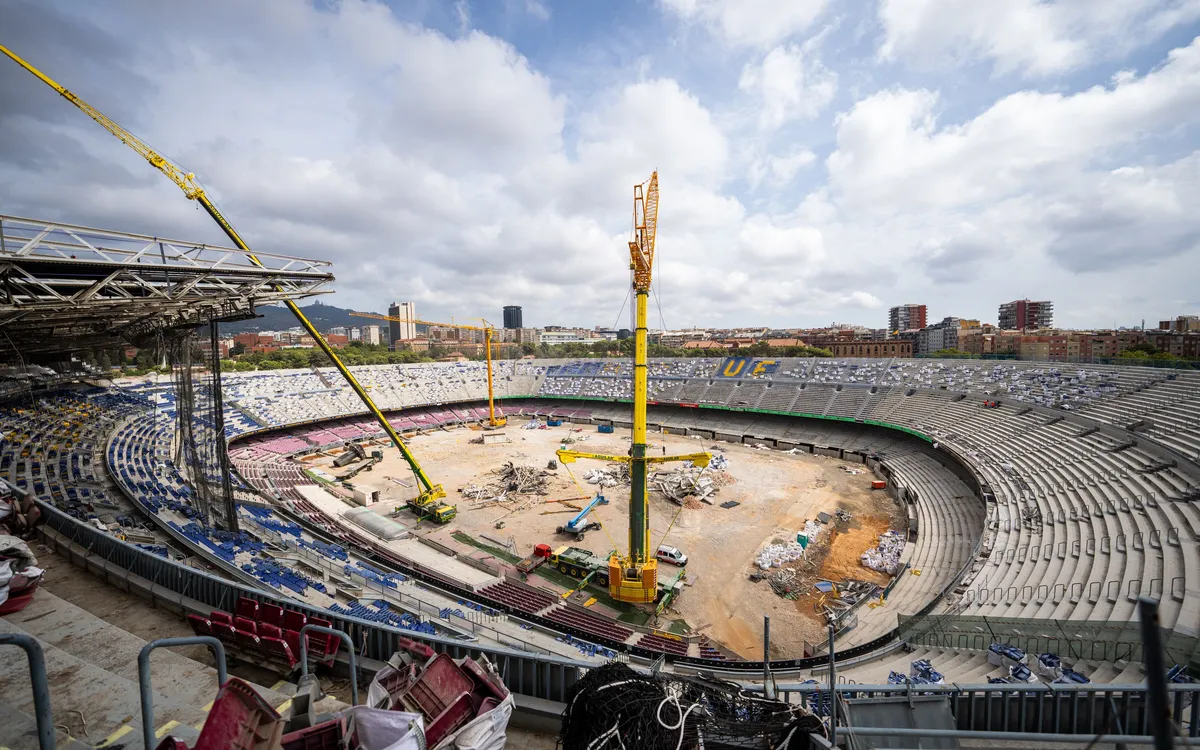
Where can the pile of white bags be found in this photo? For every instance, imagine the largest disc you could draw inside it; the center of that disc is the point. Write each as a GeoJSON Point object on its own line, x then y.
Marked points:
{"type": "Point", "coordinates": [885, 557]}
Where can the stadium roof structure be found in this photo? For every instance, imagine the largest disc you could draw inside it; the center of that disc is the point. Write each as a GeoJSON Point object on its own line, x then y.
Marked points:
{"type": "Point", "coordinates": [66, 288]}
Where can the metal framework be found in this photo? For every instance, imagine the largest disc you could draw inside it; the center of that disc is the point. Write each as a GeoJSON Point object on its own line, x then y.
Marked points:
{"type": "Point", "coordinates": [67, 288]}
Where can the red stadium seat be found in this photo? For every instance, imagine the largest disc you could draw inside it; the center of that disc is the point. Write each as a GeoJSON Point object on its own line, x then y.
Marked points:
{"type": "Point", "coordinates": [225, 632]}
{"type": "Point", "coordinates": [279, 652]}
{"type": "Point", "coordinates": [200, 625]}
{"type": "Point", "coordinates": [293, 620]}
{"type": "Point", "coordinates": [267, 630]}
{"type": "Point", "coordinates": [271, 614]}
{"type": "Point", "coordinates": [247, 608]}
{"type": "Point", "coordinates": [246, 625]}
{"type": "Point", "coordinates": [219, 616]}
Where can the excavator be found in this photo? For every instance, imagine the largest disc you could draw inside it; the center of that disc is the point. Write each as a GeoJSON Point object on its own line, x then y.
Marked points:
{"type": "Point", "coordinates": [489, 332]}
{"type": "Point", "coordinates": [428, 492]}
{"type": "Point", "coordinates": [633, 576]}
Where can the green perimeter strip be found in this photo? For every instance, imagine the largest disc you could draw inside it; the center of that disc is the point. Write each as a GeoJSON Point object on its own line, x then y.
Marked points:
{"type": "Point", "coordinates": [722, 407]}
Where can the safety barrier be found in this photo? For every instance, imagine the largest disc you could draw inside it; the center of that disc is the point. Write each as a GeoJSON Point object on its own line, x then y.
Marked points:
{"type": "Point", "coordinates": [41, 687]}
{"type": "Point", "coordinates": [310, 628]}
{"type": "Point", "coordinates": [146, 687]}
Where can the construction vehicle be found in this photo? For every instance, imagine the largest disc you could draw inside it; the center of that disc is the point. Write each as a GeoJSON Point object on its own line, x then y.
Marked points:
{"type": "Point", "coordinates": [540, 554]}
{"type": "Point", "coordinates": [579, 525]}
{"type": "Point", "coordinates": [433, 510]}
{"type": "Point", "coordinates": [489, 332]}
{"type": "Point", "coordinates": [376, 457]}
{"type": "Point", "coordinates": [633, 576]}
{"type": "Point", "coordinates": [192, 189]}
{"type": "Point", "coordinates": [578, 562]}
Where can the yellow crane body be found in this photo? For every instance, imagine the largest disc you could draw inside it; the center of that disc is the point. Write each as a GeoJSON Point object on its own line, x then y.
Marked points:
{"type": "Point", "coordinates": [633, 577]}
{"type": "Point", "coordinates": [488, 332]}
{"type": "Point", "coordinates": [428, 491]}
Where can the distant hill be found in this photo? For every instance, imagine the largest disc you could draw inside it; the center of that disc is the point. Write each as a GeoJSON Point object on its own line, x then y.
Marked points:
{"type": "Point", "coordinates": [279, 318]}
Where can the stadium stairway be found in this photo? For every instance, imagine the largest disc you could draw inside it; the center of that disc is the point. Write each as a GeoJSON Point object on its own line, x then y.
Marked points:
{"type": "Point", "coordinates": [92, 670]}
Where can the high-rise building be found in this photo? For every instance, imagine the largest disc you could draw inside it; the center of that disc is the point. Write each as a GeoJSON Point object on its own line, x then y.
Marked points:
{"type": "Point", "coordinates": [512, 316]}
{"type": "Point", "coordinates": [1024, 315]}
{"type": "Point", "coordinates": [370, 335]}
{"type": "Point", "coordinates": [906, 318]}
{"type": "Point", "coordinates": [405, 328]}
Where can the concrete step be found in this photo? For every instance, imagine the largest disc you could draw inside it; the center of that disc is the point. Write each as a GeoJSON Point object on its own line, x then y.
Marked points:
{"type": "Point", "coordinates": [18, 730]}
{"type": "Point", "coordinates": [92, 668]}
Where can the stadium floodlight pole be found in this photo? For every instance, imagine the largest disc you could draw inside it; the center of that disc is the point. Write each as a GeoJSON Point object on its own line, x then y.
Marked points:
{"type": "Point", "coordinates": [187, 182]}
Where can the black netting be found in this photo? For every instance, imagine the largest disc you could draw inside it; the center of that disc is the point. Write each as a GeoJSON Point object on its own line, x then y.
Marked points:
{"type": "Point", "coordinates": [616, 707]}
{"type": "Point", "coordinates": [200, 450]}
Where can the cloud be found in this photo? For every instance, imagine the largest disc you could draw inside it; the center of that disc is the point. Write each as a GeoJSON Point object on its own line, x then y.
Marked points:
{"type": "Point", "coordinates": [790, 83]}
{"type": "Point", "coordinates": [1030, 36]}
{"type": "Point", "coordinates": [892, 152]}
{"type": "Point", "coordinates": [750, 23]}
{"type": "Point", "coordinates": [470, 168]}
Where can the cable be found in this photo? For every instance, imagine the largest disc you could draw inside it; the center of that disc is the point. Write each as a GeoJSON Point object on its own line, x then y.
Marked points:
{"type": "Point", "coordinates": [628, 292]}
{"type": "Point", "coordinates": [682, 718]}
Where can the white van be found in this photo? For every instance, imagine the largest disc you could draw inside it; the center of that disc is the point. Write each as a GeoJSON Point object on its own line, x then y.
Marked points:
{"type": "Point", "coordinates": [671, 555]}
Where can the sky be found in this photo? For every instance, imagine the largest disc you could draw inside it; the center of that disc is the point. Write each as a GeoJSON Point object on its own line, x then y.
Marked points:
{"type": "Point", "coordinates": [818, 161]}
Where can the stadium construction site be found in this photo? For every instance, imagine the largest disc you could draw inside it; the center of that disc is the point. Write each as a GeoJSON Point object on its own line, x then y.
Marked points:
{"type": "Point", "coordinates": [475, 554]}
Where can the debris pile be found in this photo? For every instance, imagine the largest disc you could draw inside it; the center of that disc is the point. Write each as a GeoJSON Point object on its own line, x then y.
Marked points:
{"type": "Point", "coordinates": [510, 479]}
{"type": "Point", "coordinates": [613, 475]}
{"type": "Point", "coordinates": [885, 556]}
{"type": "Point", "coordinates": [689, 484]}
{"type": "Point", "coordinates": [842, 598]}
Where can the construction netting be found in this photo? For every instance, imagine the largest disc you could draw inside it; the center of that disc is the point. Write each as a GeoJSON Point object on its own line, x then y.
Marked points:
{"type": "Point", "coordinates": [200, 451]}
{"type": "Point", "coordinates": [616, 707]}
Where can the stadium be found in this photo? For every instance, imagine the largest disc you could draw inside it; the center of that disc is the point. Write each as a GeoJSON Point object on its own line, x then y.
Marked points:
{"type": "Point", "coordinates": [922, 548]}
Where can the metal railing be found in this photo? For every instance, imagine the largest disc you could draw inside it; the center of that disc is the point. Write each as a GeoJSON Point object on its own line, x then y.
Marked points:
{"type": "Point", "coordinates": [146, 686]}
{"type": "Point", "coordinates": [41, 687]}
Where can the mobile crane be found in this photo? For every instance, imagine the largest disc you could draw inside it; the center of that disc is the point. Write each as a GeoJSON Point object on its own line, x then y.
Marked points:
{"type": "Point", "coordinates": [633, 577]}
{"type": "Point", "coordinates": [428, 492]}
{"type": "Point", "coordinates": [489, 332]}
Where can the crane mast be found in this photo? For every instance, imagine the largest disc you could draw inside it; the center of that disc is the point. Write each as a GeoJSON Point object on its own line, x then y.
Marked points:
{"type": "Point", "coordinates": [633, 577]}
{"type": "Point", "coordinates": [488, 331]}
{"type": "Point", "coordinates": [428, 491]}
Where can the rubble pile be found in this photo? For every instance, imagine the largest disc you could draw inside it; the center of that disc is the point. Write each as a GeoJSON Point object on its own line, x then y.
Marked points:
{"type": "Point", "coordinates": [613, 475]}
{"type": "Point", "coordinates": [842, 598]}
{"type": "Point", "coordinates": [689, 484]}
{"type": "Point", "coordinates": [885, 556]}
{"type": "Point", "coordinates": [509, 479]}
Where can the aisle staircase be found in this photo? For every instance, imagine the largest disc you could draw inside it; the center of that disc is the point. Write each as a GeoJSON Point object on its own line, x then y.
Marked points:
{"type": "Point", "coordinates": [93, 678]}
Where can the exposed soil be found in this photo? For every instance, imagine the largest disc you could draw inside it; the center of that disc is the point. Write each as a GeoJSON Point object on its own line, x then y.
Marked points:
{"type": "Point", "coordinates": [777, 493]}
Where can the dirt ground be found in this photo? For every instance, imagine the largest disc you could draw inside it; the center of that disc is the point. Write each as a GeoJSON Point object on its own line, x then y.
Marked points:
{"type": "Point", "coordinates": [778, 492]}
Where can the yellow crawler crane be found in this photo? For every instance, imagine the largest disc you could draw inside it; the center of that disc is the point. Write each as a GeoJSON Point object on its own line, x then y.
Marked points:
{"type": "Point", "coordinates": [633, 577]}
{"type": "Point", "coordinates": [489, 332]}
{"type": "Point", "coordinates": [428, 491]}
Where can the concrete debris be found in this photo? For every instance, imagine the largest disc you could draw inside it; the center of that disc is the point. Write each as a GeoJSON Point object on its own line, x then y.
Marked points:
{"type": "Point", "coordinates": [844, 515]}
{"type": "Point", "coordinates": [776, 555]}
{"type": "Point", "coordinates": [852, 470]}
{"type": "Point", "coordinates": [689, 485]}
{"type": "Point", "coordinates": [613, 475]}
{"type": "Point", "coordinates": [885, 556]}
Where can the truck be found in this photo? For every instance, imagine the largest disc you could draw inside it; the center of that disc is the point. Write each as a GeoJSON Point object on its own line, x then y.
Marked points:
{"type": "Point", "coordinates": [540, 554]}
{"type": "Point", "coordinates": [580, 563]}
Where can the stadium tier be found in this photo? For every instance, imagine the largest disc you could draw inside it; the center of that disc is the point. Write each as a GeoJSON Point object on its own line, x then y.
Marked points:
{"type": "Point", "coordinates": [1037, 495]}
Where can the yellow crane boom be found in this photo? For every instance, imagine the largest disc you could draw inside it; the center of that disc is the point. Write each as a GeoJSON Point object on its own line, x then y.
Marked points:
{"type": "Point", "coordinates": [633, 577]}
{"type": "Point", "coordinates": [428, 491]}
{"type": "Point", "coordinates": [489, 331]}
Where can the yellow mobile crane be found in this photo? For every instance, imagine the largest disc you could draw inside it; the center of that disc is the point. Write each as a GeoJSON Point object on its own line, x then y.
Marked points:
{"type": "Point", "coordinates": [488, 332]}
{"type": "Point", "coordinates": [428, 492]}
{"type": "Point", "coordinates": [633, 577]}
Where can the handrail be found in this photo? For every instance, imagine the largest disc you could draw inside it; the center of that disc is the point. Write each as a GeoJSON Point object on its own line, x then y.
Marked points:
{"type": "Point", "coordinates": [145, 679]}
{"type": "Point", "coordinates": [349, 648]}
{"type": "Point", "coordinates": [43, 712]}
